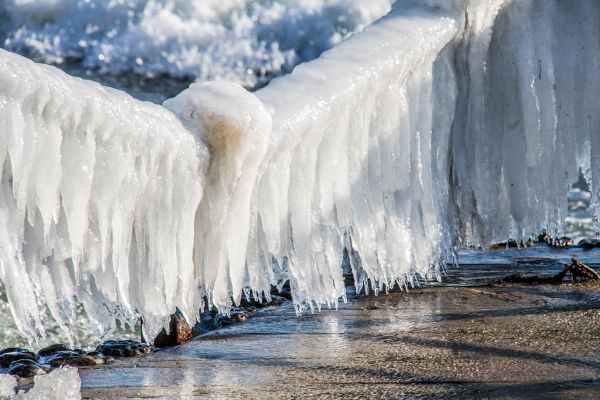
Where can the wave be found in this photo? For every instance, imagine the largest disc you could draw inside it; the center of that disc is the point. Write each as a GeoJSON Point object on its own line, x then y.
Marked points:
{"type": "Point", "coordinates": [247, 41]}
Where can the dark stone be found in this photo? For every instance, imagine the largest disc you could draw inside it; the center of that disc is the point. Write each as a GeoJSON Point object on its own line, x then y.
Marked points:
{"type": "Point", "coordinates": [179, 332]}
{"type": "Point", "coordinates": [53, 348]}
{"type": "Point", "coordinates": [7, 358]}
{"type": "Point", "coordinates": [543, 238]}
{"type": "Point", "coordinates": [26, 368]}
{"type": "Point", "coordinates": [242, 315]}
{"type": "Point", "coordinates": [235, 315]}
{"type": "Point", "coordinates": [511, 244]}
{"type": "Point", "coordinates": [588, 244]}
{"type": "Point", "coordinates": [97, 354]}
{"type": "Point", "coordinates": [276, 300]}
{"type": "Point", "coordinates": [163, 339]}
{"type": "Point", "coordinates": [123, 348]}
{"type": "Point", "coordinates": [75, 358]}
{"type": "Point", "coordinates": [206, 324]}
{"type": "Point", "coordinates": [14, 350]}
{"type": "Point", "coordinates": [286, 294]}
{"type": "Point", "coordinates": [580, 271]}
{"type": "Point", "coordinates": [562, 242]}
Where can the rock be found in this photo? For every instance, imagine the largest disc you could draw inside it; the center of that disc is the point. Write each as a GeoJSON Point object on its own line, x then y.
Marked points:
{"type": "Point", "coordinates": [26, 368]}
{"type": "Point", "coordinates": [511, 244]}
{"type": "Point", "coordinates": [14, 350]}
{"type": "Point", "coordinates": [277, 300]}
{"type": "Point", "coordinates": [22, 354]}
{"type": "Point", "coordinates": [53, 348]}
{"type": "Point", "coordinates": [580, 271]}
{"type": "Point", "coordinates": [537, 279]}
{"type": "Point", "coordinates": [286, 294]}
{"type": "Point", "coordinates": [588, 244]}
{"type": "Point", "coordinates": [544, 238]}
{"type": "Point", "coordinates": [179, 332]}
{"type": "Point", "coordinates": [123, 348]}
{"type": "Point", "coordinates": [562, 242]}
{"type": "Point", "coordinates": [163, 339]}
{"type": "Point", "coordinates": [206, 324]}
{"type": "Point", "coordinates": [75, 358]}
{"type": "Point", "coordinates": [235, 315]}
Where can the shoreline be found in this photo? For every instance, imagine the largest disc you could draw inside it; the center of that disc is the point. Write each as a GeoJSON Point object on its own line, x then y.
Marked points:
{"type": "Point", "coordinates": [484, 341]}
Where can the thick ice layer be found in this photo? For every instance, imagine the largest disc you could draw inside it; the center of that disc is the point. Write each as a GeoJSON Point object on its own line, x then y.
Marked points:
{"type": "Point", "coordinates": [97, 197]}
{"type": "Point", "coordinates": [526, 117]}
{"type": "Point", "coordinates": [433, 126]}
{"type": "Point", "coordinates": [243, 40]}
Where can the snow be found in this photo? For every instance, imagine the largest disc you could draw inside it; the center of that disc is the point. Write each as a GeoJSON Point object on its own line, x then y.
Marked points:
{"type": "Point", "coordinates": [438, 125]}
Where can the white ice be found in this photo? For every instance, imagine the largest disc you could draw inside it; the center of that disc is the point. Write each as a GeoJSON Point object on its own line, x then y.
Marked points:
{"type": "Point", "coordinates": [247, 41]}
{"type": "Point", "coordinates": [439, 125]}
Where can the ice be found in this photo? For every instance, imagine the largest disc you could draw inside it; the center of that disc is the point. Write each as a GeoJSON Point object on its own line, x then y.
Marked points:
{"type": "Point", "coordinates": [7, 386]}
{"type": "Point", "coordinates": [439, 125]}
{"type": "Point", "coordinates": [97, 198]}
{"type": "Point", "coordinates": [61, 384]}
{"type": "Point", "coordinates": [248, 41]}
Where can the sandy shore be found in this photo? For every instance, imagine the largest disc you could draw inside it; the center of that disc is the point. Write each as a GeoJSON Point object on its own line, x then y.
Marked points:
{"type": "Point", "coordinates": [444, 342]}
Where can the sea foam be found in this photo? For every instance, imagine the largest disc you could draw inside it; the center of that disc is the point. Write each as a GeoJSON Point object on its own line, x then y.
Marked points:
{"type": "Point", "coordinates": [247, 41]}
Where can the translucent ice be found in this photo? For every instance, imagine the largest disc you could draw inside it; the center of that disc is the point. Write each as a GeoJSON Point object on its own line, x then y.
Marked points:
{"type": "Point", "coordinates": [7, 386]}
{"type": "Point", "coordinates": [60, 384]}
{"type": "Point", "coordinates": [97, 198]}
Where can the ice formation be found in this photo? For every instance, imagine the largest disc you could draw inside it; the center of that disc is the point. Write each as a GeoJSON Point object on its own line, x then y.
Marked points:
{"type": "Point", "coordinates": [439, 124]}
{"type": "Point", "coordinates": [248, 41]}
{"type": "Point", "coordinates": [60, 384]}
{"type": "Point", "coordinates": [97, 198]}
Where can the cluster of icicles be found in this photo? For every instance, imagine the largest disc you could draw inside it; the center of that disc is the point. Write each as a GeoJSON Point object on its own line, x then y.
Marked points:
{"type": "Point", "coordinates": [435, 126]}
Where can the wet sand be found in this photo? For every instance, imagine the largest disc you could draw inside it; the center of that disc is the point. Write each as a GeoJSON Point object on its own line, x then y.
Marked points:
{"type": "Point", "coordinates": [441, 342]}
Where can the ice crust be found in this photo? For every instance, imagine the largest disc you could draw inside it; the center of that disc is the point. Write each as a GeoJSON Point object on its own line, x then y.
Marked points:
{"type": "Point", "coordinates": [441, 124]}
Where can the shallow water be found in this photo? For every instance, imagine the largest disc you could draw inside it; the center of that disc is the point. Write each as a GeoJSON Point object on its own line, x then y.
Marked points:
{"type": "Point", "coordinates": [478, 267]}
{"type": "Point", "coordinates": [438, 342]}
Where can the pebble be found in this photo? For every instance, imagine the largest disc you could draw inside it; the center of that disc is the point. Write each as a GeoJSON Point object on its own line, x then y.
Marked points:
{"type": "Point", "coordinates": [123, 348]}
{"type": "Point", "coordinates": [179, 332]}
{"type": "Point", "coordinates": [75, 358]}
{"type": "Point", "coordinates": [22, 354]}
{"type": "Point", "coordinates": [26, 368]}
{"type": "Point", "coordinates": [53, 348]}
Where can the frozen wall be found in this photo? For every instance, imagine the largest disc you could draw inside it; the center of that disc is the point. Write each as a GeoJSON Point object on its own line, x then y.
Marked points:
{"type": "Point", "coordinates": [97, 197]}
{"type": "Point", "coordinates": [526, 117]}
{"type": "Point", "coordinates": [441, 123]}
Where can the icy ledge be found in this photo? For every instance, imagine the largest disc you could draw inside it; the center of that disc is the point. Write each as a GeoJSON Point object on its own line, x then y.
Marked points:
{"type": "Point", "coordinates": [435, 125]}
